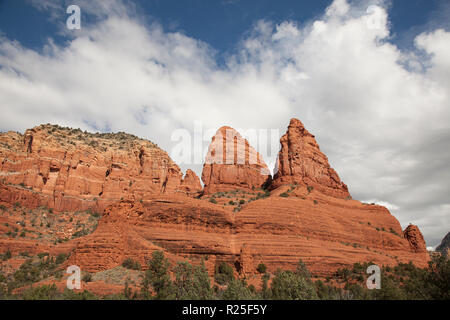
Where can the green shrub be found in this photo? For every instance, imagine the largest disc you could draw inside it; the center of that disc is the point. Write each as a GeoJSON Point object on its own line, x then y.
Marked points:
{"type": "Point", "coordinates": [42, 254]}
{"type": "Point", "coordinates": [73, 295]}
{"type": "Point", "coordinates": [224, 273]}
{"type": "Point", "coordinates": [60, 258]}
{"type": "Point", "coordinates": [288, 285]}
{"type": "Point", "coordinates": [238, 290]}
{"type": "Point", "coordinates": [87, 277]}
{"type": "Point", "coordinates": [157, 276]}
{"type": "Point", "coordinates": [95, 214]}
{"type": "Point", "coordinates": [45, 292]}
{"type": "Point", "coordinates": [131, 264]}
{"type": "Point", "coordinates": [261, 268]}
{"type": "Point", "coordinates": [7, 255]}
{"type": "Point", "coordinates": [80, 233]}
{"type": "Point", "coordinates": [284, 195]}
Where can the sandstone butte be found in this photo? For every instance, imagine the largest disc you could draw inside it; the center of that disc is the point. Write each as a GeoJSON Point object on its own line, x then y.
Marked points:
{"type": "Point", "coordinates": [231, 163]}
{"type": "Point", "coordinates": [147, 205]}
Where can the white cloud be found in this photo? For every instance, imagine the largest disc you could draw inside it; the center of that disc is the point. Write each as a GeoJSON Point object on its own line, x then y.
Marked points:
{"type": "Point", "coordinates": [379, 113]}
{"type": "Point", "coordinates": [390, 206]}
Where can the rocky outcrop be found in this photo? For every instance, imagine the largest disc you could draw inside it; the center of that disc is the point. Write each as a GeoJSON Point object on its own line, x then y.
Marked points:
{"type": "Point", "coordinates": [300, 161]}
{"type": "Point", "coordinates": [231, 163]}
{"type": "Point", "coordinates": [444, 247]}
{"type": "Point", "coordinates": [191, 184]}
{"type": "Point", "coordinates": [184, 228]}
{"type": "Point", "coordinates": [146, 205]}
{"type": "Point", "coordinates": [67, 169]}
{"type": "Point", "coordinates": [275, 231]}
{"type": "Point", "coordinates": [415, 238]}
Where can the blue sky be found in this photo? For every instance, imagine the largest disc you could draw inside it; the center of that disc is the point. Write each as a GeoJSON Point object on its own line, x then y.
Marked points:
{"type": "Point", "coordinates": [372, 86]}
{"type": "Point", "coordinates": [221, 23]}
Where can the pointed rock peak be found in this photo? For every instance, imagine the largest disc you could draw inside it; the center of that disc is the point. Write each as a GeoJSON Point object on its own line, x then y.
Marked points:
{"type": "Point", "coordinates": [297, 127]}
{"type": "Point", "coordinates": [190, 175]}
{"type": "Point", "coordinates": [301, 161]}
{"type": "Point", "coordinates": [296, 123]}
{"type": "Point", "coordinates": [415, 238]}
{"type": "Point", "coordinates": [191, 184]}
{"type": "Point", "coordinates": [231, 163]}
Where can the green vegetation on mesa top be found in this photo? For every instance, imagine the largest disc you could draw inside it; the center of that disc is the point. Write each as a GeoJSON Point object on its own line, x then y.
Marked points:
{"type": "Point", "coordinates": [53, 128]}
{"type": "Point", "coordinates": [101, 141]}
{"type": "Point", "coordinates": [404, 281]}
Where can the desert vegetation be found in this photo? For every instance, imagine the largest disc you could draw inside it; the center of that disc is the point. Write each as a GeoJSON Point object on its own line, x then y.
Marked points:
{"type": "Point", "coordinates": [236, 199]}
{"type": "Point", "coordinates": [44, 225]}
{"type": "Point", "coordinates": [183, 281]}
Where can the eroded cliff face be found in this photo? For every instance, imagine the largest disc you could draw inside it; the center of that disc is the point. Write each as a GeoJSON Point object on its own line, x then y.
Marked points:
{"type": "Point", "coordinates": [231, 163]}
{"type": "Point", "coordinates": [275, 231]}
{"type": "Point", "coordinates": [300, 161]}
{"type": "Point", "coordinates": [67, 169]}
{"type": "Point", "coordinates": [147, 205]}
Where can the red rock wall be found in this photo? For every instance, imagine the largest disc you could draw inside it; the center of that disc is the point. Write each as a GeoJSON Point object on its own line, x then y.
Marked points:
{"type": "Point", "coordinates": [62, 171]}
{"type": "Point", "coordinates": [275, 231]}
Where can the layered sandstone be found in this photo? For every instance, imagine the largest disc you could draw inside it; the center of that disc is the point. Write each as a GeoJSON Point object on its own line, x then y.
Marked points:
{"type": "Point", "coordinates": [275, 231]}
{"type": "Point", "coordinates": [231, 163]}
{"type": "Point", "coordinates": [308, 215]}
{"type": "Point", "coordinates": [300, 161]}
{"type": "Point", "coordinates": [67, 169]}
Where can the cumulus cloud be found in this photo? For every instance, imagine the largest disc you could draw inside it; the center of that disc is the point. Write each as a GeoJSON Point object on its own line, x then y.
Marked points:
{"type": "Point", "coordinates": [379, 113]}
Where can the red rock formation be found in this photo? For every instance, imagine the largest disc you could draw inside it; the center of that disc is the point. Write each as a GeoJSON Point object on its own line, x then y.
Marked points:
{"type": "Point", "coordinates": [301, 161]}
{"type": "Point", "coordinates": [191, 184]}
{"type": "Point", "coordinates": [246, 264]}
{"type": "Point", "coordinates": [66, 169]}
{"type": "Point", "coordinates": [276, 231]}
{"type": "Point", "coordinates": [70, 170]}
{"type": "Point", "coordinates": [415, 238]}
{"type": "Point", "coordinates": [231, 163]}
{"type": "Point", "coordinates": [184, 228]}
